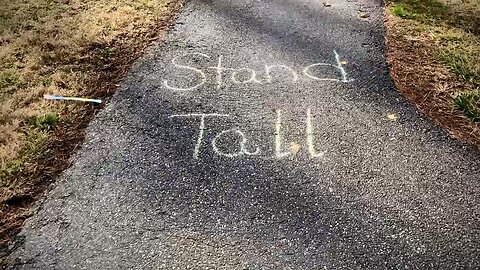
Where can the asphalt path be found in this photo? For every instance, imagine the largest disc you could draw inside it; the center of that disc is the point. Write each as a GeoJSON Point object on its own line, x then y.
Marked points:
{"type": "Point", "coordinates": [262, 135]}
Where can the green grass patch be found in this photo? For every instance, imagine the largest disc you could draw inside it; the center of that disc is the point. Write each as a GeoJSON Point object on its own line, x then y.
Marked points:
{"type": "Point", "coordinates": [469, 105]}
{"type": "Point", "coordinates": [44, 122]}
{"type": "Point", "coordinates": [454, 27]}
{"type": "Point", "coordinates": [458, 14]}
{"type": "Point", "coordinates": [461, 65]}
{"type": "Point", "coordinates": [460, 52]}
{"type": "Point", "coordinates": [423, 10]}
{"type": "Point", "coordinates": [106, 53]}
{"type": "Point", "coordinates": [400, 11]}
{"type": "Point", "coordinates": [9, 83]}
{"type": "Point", "coordinates": [8, 78]}
{"type": "Point", "coordinates": [46, 81]}
{"type": "Point", "coordinates": [12, 168]}
{"type": "Point", "coordinates": [34, 143]}
{"type": "Point", "coordinates": [34, 146]}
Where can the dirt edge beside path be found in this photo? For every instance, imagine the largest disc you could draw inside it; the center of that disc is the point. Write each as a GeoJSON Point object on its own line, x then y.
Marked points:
{"type": "Point", "coordinates": [429, 57]}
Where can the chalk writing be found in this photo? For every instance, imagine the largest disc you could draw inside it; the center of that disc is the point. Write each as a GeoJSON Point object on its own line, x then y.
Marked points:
{"type": "Point", "coordinates": [252, 77]}
{"type": "Point", "coordinates": [279, 153]}
{"type": "Point", "coordinates": [243, 150]}
{"type": "Point", "coordinates": [269, 68]}
{"type": "Point", "coordinates": [199, 76]}
{"type": "Point", "coordinates": [340, 67]}
{"type": "Point", "coordinates": [278, 137]}
{"type": "Point", "coordinates": [220, 71]}
{"type": "Point", "coordinates": [197, 71]}
{"type": "Point", "coordinates": [311, 146]}
{"type": "Point", "coordinates": [243, 75]}
{"type": "Point", "coordinates": [201, 128]}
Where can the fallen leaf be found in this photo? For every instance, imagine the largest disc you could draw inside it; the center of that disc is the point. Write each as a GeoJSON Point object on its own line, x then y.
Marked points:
{"type": "Point", "coordinates": [392, 117]}
{"type": "Point", "coordinates": [363, 15]}
{"type": "Point", "coordinates": [294, 148]}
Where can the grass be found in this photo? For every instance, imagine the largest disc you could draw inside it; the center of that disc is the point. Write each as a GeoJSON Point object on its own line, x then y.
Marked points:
{"type": "Point", "coordinates": [401, 11]}
{"type": "Point", "coordinates": [50, 46]}
{"type": "Point", "coordinates": [461, 53]}
{"type": "Point", "coordinates": [44, 122]}
{"type": "Point", "coordinates": [469, 104]}
{"type": "Point", "coordinates": [434, 50]}
{"type": "Point", "coordinates": [429, 11]}
{"type": "Point", "coordinates": [60, 47]}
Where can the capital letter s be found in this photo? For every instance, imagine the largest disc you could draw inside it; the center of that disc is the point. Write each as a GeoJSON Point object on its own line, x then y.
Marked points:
{"type": "Point", "coordinates": [199, 72]}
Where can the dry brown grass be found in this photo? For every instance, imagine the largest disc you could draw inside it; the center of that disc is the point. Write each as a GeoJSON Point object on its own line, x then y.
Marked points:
{"type": "Point", "coordinates": [434, 53]}
{"type": "Point", "coordinates": [61, 47]}
{"type": "Point", "coordinates": [46, 47]}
